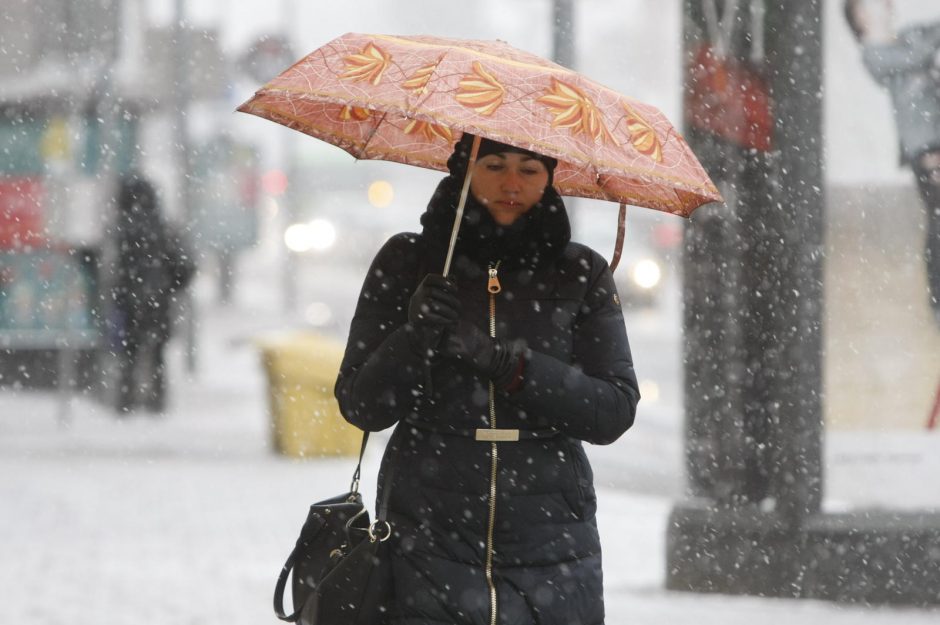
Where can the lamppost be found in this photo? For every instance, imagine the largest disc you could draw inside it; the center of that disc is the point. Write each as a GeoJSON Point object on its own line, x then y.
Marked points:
{"type": "Point", "coordinates": [563, 32]}
{"type": "Point", "coordinates": [563, 53]}
{"type": "Point", "coordinates": [182, 97]}
{"type": "Point", "coordinates": [289, 206]}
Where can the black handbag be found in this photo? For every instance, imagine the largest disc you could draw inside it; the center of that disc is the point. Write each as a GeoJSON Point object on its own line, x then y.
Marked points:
{"type": "Point", "coordinates": [341, 572]}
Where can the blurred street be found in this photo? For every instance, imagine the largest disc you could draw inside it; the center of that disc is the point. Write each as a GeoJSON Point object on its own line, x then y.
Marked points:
{"type": "Point", "coordinates": [187, 518]}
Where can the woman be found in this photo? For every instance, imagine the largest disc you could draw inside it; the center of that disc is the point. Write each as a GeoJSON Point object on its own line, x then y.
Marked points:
{"type": "Point", "coordinates": [907, 63]}
{"type": "Point", "coordinates": [494, 375]}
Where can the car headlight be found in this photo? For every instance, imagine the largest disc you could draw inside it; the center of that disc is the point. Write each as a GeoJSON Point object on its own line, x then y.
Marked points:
{"type": "Point", "coordinates": [318, 235]}
{"type": "Point", "coordinates": [647, 273]}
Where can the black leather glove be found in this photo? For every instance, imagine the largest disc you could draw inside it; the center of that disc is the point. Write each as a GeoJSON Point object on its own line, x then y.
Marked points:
{"type": "Point", "coordinates": [433, 308]}
{"type": "Point", "coordinates": [497, 359]}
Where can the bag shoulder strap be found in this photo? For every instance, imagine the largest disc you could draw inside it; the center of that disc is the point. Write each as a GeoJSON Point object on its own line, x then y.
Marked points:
{"type": "Point", "coordinates": [354, 486]}
{"type": "Point", "coordinates": [381, 513]}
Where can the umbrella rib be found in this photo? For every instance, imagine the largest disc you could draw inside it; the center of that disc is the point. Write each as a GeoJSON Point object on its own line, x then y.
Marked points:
{"type": "Point", "coordinates": [375, 129]}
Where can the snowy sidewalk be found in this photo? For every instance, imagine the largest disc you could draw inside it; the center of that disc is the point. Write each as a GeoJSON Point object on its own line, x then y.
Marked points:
{"type": "Point", "coordinates": [186, 519]}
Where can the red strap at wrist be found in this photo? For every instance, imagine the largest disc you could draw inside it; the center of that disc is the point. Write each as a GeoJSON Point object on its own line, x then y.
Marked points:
{"type": "Point", "coordinates": [515, 382]}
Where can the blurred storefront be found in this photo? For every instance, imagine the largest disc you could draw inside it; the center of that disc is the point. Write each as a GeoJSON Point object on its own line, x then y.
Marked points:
{"type": "Point", "coordinates": [52, 196]}
{"type": "Point", "coordinates": [87, 93]}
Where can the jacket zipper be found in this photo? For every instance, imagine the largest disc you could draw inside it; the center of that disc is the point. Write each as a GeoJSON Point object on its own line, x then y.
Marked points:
{"type": "Point", "coordinates": [493, 287]}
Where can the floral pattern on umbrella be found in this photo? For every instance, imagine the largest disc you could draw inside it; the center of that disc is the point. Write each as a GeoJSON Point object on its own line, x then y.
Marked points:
{"type": "Point", "coordinates": [418, 82]}
{"type": "Point", "coordinates": [408, 99]}
{"type": "Point", "coordinates": [574, 110]}
{"type": "Point", "coordinates": [643, 136]}
{"type": "Point", "coordinates": [354, 113]}
{"type": "Point", "coordinates": [369, 64]}
{"type": "Point", "coordinates": [429, 131]}
{"type": "Point", "coordinates": [480, 91]}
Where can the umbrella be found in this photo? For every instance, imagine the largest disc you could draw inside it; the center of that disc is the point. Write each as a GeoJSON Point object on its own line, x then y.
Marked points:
{"type": "Point", "coordinates": [409, 99]}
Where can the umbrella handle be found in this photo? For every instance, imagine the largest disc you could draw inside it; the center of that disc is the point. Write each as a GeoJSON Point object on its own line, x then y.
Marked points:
{"type": "Point", "coordinates": [463, 201]}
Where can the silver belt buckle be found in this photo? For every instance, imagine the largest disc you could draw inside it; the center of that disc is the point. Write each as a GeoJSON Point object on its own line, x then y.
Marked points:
{"type": "Point", "coordinates": [496, 435]}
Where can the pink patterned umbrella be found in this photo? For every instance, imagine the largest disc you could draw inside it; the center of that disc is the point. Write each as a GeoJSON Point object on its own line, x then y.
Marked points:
{"type": "Point", "coordinates": [409, 99]}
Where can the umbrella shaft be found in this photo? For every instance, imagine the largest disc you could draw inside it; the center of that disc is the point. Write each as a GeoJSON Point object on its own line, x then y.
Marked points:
{"type": "Point", "coordinates": [460, 205]}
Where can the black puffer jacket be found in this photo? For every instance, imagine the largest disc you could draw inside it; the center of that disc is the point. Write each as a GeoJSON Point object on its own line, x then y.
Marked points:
{"type": "Point", "coordinates": [578, 384]}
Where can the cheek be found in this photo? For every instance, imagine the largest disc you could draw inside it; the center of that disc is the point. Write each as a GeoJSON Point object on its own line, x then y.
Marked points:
{"type": "Point", "coordinates": [537, 188]}
{"type": "Point", "coordinates": [484, 183]}
{"type": "Point", "coordinates": [478, 188]}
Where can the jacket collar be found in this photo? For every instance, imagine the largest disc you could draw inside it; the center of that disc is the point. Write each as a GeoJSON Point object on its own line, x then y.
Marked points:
{"type": "Point", "coordinates": [536, 237]}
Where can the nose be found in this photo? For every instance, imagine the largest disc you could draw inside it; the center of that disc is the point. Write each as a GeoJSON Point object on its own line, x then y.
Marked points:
{"type": "Point", "coordinates": [512, 182]}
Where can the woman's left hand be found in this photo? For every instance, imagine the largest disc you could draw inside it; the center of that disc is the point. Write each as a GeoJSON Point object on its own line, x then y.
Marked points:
{"type": "Point", "coordinates": [468, 343]}
{"type": "Point", "coordinates": [492, 357]}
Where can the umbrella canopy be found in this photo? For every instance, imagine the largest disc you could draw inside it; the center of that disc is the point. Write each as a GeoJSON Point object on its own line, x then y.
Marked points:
{"type": "Point", "coordinates": [409, 99]}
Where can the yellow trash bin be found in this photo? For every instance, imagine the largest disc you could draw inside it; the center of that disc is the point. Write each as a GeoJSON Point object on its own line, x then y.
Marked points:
{"type": "Point", "coordinates": [305, 418]}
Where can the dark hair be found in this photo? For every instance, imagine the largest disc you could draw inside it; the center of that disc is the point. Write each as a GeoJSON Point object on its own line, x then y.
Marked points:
{"type": "Point", "coordinates": [457, 163]}
{"type": "Point", "coordinates": [851, 17]}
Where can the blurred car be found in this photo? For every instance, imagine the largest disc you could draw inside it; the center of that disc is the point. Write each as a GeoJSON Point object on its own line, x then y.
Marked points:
{"type": "Point", "coordinates": [651, 243]}
{"type": "Point", "coordinates": [346, 216]}
{"type": "Point", "coordinates": [343, 217]}
{"type": "Point", "coordinates": [639, 277]}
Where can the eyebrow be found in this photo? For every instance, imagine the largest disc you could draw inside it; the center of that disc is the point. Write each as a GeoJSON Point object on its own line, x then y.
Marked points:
{"type": "Point", "coordinates": [502, 155]}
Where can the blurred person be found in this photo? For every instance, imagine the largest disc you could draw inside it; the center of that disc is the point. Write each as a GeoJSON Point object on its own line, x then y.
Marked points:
{"type": "Point", "coordinates": [494, 377]}
{"type": "Point", "coordinates": [907, 63]}
{"type": "Point", "coordinates": [153, 264]}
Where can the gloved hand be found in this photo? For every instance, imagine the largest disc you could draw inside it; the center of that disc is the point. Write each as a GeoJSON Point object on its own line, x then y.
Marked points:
{"type": "Point", "coordinates": [433, 307]}
{"type": "Point", "coordinates": [497, 359]}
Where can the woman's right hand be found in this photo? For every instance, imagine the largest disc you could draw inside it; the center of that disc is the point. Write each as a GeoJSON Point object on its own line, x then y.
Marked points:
{"type": "Point", "coordinates": [433, 308]}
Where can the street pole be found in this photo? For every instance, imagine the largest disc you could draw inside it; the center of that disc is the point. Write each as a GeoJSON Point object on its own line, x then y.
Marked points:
{"type": "Point", "coordinates": [752, 290]}
{"type": "Point", "coordinates": [563, 53]}
{"type": "Point", "coordinates": [181, 90]}
{"type": "Point", "coordinates": [794, 52]}
{"type": "Point", "coordinates": [106, 102]}
{"type": "Point", "coordinates": [753, 295]}
{"type": "Point", "coordinates": [290, 197]}
{"type": "Point", "coordinates": [563, 48]}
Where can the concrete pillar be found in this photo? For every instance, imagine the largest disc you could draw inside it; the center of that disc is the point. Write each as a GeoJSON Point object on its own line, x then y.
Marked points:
{"type": "Point", "coordinates": [753, 289]}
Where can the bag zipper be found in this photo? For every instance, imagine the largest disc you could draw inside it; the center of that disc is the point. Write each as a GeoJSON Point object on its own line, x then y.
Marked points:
{"type": "Point", "coordinates": [493, 287]}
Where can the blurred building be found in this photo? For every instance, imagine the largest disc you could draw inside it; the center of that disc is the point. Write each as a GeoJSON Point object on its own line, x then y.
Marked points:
{"type": "Point", "coordinates": [88, 91]}
{"type": "Point", "coordinates": [56, 66]}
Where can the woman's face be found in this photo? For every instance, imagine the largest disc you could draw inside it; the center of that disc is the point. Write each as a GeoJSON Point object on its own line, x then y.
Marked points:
{"type": "Point", "coordinates": [509, 184]}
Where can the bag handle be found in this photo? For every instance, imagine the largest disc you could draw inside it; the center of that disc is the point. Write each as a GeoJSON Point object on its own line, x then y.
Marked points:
{"type": "Point", "coordinates": [279, 589]}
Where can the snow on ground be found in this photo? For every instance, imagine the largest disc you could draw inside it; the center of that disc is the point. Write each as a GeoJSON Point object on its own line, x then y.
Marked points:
{"type": "Point", "coordinates": [186, 519]}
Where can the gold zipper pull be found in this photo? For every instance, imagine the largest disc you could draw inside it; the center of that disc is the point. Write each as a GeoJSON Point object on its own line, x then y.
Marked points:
{"type": "Point", "coordinates": [493, 285]}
